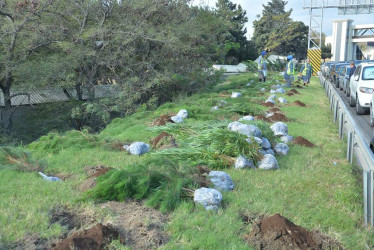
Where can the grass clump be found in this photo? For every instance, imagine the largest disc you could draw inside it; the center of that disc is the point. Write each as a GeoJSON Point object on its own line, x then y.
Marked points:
{"type": "Point", "coordinates": [164, 185]}
{"type": "Point", "coordinates": [19, 159]}
{"type": "Point", "coordinates": [244, 109]}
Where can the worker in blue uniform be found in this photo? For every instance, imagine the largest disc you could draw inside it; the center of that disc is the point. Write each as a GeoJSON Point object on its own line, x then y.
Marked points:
{"type": "Point", "coordinates": [262, 67]}
{"type": "Point", "coordinates": [288, 76]}
{"type": "Point", "coordinates": [306, 72]}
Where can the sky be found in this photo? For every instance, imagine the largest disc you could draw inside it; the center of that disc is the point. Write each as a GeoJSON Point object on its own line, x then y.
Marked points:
{"type": "Point", "coordinates": [254, 7]}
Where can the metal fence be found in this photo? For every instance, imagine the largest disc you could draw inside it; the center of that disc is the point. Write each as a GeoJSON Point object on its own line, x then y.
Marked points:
{"type": "Point", "coordinates": [356, 147]}
{"type": "Point", "coordinates": [55, 94]}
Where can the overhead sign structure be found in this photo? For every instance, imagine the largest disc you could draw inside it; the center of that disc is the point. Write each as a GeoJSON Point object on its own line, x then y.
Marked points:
{"type": "Point", "coordinates": [345, 7]}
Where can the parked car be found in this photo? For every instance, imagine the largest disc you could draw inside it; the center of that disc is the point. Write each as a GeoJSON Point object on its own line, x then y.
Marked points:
{"type": "Point", "coordinates": [344, 78]}
{"type": "Point", "coordinates": [362, 87]}
{"type": "Point", "coordinates": [372, 144]}
{"type": "Point", "coordinates": [335, 73]}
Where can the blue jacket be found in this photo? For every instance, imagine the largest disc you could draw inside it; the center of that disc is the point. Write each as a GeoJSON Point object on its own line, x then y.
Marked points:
{"type": "Point", "coordinates": [263, 64]}
{"type": "Point", "coordinates": [353, 69]}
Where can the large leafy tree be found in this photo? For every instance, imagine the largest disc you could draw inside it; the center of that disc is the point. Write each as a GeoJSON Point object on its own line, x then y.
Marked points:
{"type": "Point", "coordinates": [22, 31]}
{"type": "Point", "coordinates": [237, 46]}
{"type": "Point", "coordinates": [277, 32]}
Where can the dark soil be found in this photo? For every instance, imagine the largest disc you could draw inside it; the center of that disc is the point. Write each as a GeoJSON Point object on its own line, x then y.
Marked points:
{"type": "Point", "coordinates": [299, 87]}
{"type": "Point", "coordinates": [277, 117]}
{"type": "Point", "coordinates": [162, 120]}
{"type": "Point", "coordinates": [298, 103]}
{"type": "Point", "coordinates": [97, 237]}
{"type": "Point", "coordinates": [141, 227]}
{"type": "Point", "coordinates": [294, 91]}
{"type": "Point", "coordinates": [290, 94]}
{"type": "Point", "coordinates": [261, 117]}
{"type": "Point", "coordinates": [66, 218]}
{"type": "Point", "coordinates": [92, 172]}
{"type": "Point", "coordinates": [268, 104]}
{"type": "Point", "coordinates": [96, 171]}
{"type": "Point", "coordinates": [201, 177]}
{"type": "Point", "coordinates": [274, 110]}
{"type": "Point", "coordinates": [277, 232]}
{"type": "Point", "coordinates": [303, 142]}
{"type": "Point", "coordinates": [163, 140]}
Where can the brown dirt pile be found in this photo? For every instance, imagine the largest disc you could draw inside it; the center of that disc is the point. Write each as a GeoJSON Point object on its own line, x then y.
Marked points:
{"type": "Point", "coordinates": [261, 117]}
{"type": "Point", "coordinates": [163, 140]}
{"type": "Point", "coordinates": [274, 110]}
{"type": "Point", "coordinates": [162, 120]}
{"type": "Point", "coordinates": [303, 142]}
{"type": "Point", "coordinates": [201, 176]}
{"type": "Point", "coordinates": [277, 232]}
{"type": "Point", "coordinates": [267, 104]}
{"type": "Point", "coordinates": [92, 172]}
{"type": "Point", "coordinates": [97, 237]}
{"type": "Point", "coordinates": [294, 91]}
{"type": "Point", "coordinates": [290, 94]}
{"type": "Point", "coordinates": [277, 117]}
{"type": "Point", "coordinates": [299, 87]}
{"type": "Point", "coordinates": [140, 226]}
{"type": "Point", "coordinates": [298, 103]}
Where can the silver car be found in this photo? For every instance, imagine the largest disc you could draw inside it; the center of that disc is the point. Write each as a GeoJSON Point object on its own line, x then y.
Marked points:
{"type": "Point", "coordinates": [344, 78]}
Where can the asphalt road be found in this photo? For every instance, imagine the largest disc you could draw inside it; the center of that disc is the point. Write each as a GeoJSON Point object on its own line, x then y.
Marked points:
{"type": "Point", "coordinates": [362, 121]}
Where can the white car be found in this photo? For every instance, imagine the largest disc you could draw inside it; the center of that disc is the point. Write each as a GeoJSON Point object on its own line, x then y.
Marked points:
{"type": "Point", "coordinates": [362, 87]}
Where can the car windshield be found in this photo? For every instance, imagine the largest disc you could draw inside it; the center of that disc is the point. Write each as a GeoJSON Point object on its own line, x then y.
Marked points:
{"type": "Point", "coordinates": [368, 73]}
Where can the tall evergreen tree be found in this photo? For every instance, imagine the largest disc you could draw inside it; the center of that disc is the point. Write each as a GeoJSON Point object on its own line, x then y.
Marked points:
{"type": "Point", "coordinates": [237, 45]}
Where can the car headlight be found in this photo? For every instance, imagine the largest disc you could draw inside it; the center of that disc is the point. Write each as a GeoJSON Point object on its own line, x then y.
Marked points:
{"type": "Point", "coordinates": [366, 90]}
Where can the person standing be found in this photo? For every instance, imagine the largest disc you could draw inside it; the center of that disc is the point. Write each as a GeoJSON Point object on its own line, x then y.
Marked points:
{"type": "Point", "coordinates": [262, 68]}
{"type": "Point", "coordinates": [306, 72]}
{"type": "Point", "coordinates": [288, 72]}
{"type": "Point", "coordinates": [353, 69]}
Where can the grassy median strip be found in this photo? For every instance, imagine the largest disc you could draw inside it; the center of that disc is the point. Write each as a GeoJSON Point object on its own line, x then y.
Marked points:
{"type": "Point", "coordinates": [314, 187]}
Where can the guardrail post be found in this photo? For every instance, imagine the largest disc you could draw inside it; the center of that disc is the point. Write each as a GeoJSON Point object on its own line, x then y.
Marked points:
{"type": "Point", "coordinates": [341, 125]}
{"type": "Point", "coordinates": [332, 103]}
{"type": "Point", "coordinates": [368, 198]}
{"type": "Point", "coordinates": [350, 147]}
{"type": "Point", "coordinates": [336, 108]}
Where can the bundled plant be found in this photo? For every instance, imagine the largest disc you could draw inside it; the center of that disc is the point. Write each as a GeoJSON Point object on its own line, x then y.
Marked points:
{"type": "Point", "coordinates": [163, 183]}
{"type": "Point", "coordinates": [18, 159]}
{"type": "Point", "coordinates": [244, 108]}
{"type": "Point", "coordinates": [209, 144]}
{"type": "Point", "coordinates": [54, 142]}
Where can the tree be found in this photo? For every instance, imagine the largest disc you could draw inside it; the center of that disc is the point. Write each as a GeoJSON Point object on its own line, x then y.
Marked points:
{"type": "Point", "coordinates": [22, 32]}
{"type": "Point", "coordinates": [237, 45]}
{"type": "Point", "coordinates": [277, 32]}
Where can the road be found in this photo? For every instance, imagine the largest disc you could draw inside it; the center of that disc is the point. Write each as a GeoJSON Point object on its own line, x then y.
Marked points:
{"type": "Point", "coordinates": [363, 121]}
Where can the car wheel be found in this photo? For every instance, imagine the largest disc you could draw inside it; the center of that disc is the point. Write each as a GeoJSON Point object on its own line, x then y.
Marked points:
{"type": "Point", "coordinates": [352, 102]}
{"type": "Point", "coordinates": [371, 116]}
{"type": "Point", "coordinates": [359, 110]}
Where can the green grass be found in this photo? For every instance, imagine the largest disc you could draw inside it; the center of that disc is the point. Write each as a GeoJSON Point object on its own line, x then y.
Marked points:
{"type": "Point", "coordinates": [308, 188]}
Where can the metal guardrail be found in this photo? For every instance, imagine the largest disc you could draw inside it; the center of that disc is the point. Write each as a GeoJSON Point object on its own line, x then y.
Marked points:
{"type": "Point", "coordinates": [356, 146]}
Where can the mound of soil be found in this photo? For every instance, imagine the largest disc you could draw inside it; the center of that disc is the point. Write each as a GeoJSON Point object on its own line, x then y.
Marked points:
{"type": "Point", "coordinates": [92, 172]}
{"type": "Point", "coordinates": [66, 218]}
{"type": "Point", "coordinates": [261, 117]}
{"type": "Point", "coordinates": [97, 237]}
{"type": "Point", "coordinates": [299, 87]}
{"type": "Point", "coordinates": [268, 104]}
{"type": "Point", "coordinates": [162, 120]}
{"type": "Point", "coordinates": [277, 117]}
{"type": "Point", "coordinates": [294, 91]}
{"type": "Point", "coordinates": [224, 94]}
{"type": "Point", "coordinates": [274, 110]}
{"type": "Point", "coordinates": [201, 177]}
{"type": "Point", "coordinates": [290, 94]}
{"type": "Point", "coordinates": [277, 232]}
{"type": "Point", "coordinates": [140, 226]}
{"type": "Point", "coordinates": [303, 142]}
{"type": "Point", "coordinates": [298, 103]}
{"type": "Point", "coordinates": [163, 140]}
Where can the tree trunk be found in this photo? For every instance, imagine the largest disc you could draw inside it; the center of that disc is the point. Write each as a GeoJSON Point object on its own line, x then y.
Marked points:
{"type": "Point", "coordinates": [6, 112]}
